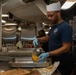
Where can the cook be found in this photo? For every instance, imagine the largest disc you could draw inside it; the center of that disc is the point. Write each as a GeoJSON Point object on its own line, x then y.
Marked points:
{"type": "Point", "coordinates": [60, 40]}
{"type": "Point", "coordinates": [44, 46]}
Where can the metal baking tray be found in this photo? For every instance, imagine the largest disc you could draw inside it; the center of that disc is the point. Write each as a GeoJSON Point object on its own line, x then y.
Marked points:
{"type": "Point", "coordinates": [26, 50]}
{"type": "Point", "coordinates": [27, 62]}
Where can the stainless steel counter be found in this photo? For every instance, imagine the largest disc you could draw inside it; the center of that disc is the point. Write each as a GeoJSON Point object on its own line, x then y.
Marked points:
{"type": "Point", "coordinates": [19, 52]}
{"type": "Point", "coordinates": [5, 57]}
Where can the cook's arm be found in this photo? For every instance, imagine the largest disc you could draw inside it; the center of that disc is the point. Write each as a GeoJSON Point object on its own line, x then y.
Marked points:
{"type": "Point", "coordinates": [43, 39]}
{"type": "Point", "coordinates": [65, 48]}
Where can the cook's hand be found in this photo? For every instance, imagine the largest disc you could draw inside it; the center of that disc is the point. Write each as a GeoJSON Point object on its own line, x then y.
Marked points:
{"type": "Point", "coordinates": [43, 57]}
{"type": "Point", "coordinates": [35, 41]}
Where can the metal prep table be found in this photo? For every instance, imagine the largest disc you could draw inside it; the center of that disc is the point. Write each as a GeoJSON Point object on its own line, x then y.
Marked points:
{"type": "Point", "coordinates": [5, 57]}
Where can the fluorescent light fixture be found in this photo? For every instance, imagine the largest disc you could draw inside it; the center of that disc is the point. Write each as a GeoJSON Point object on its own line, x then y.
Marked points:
{"type": "Point", "coordinates": [10, 24]}
{"type": "Point", "coordinates": [3, 21]}
{"type": "Point", "coordinates": [68, 4]}
{"type": "Point", "coordinates": [5, 15]}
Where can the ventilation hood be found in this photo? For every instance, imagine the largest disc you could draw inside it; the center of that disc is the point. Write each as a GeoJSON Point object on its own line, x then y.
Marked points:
{"type": "Point", "coordinates": [33, 11]}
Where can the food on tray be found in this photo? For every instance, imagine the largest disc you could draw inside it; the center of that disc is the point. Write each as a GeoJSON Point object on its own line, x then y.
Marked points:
{"type": "Point", "coordinates": [16, 72]}
{"type": "Point", "coordinates": [34, 72]}
{"type": "Point", "coordinates": [21, 72]}
{"type": "Point", "coordinates": [35, 57]}
{"type": "Point", "coordinates": [47, 69]}
{"type": "Point", "coordinates": [50, 69]}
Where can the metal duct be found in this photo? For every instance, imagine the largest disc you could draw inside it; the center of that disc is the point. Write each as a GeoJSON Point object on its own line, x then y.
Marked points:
{"type": "Point", "coordinates": [11, 4]}
{"type": "Point", "coordinates": [37, 14]}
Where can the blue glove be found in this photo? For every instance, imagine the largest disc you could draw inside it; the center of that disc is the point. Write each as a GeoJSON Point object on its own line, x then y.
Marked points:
{"type": "Point", "coordinates": [43, 57]}
{"type": "Point", "coordinates": [35, 41]}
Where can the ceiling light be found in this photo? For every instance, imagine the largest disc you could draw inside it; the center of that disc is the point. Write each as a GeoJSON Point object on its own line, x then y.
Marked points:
{"type": "Point", "coordinates": [49, 27]}
{"type": "Point", "coordinates": [43, 23]}
{"type": "Point", "coordinates": [19, 28]}
{"type": "Point", "coordinates": [46, 32]}
{"type": "Point", "coordinates": [67, 5]}
{"type": "Point", "coordinates": [10, 24]}
{"type": "Point", "coordinates": [3, 21]}
{"type": "Point", "coordinates": [5, 15]}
